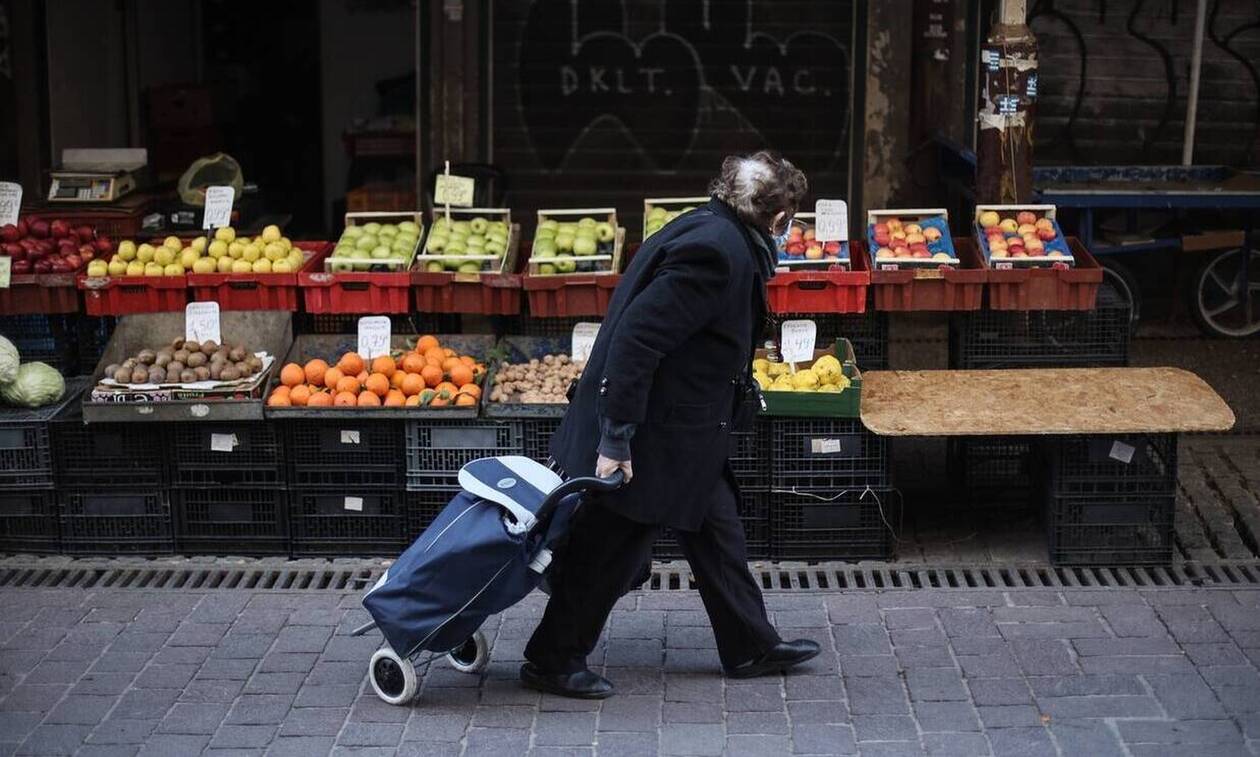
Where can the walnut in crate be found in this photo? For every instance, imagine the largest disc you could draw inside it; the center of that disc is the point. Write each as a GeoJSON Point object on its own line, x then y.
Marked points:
{"type": "Point", "coordinates": [540, 381]}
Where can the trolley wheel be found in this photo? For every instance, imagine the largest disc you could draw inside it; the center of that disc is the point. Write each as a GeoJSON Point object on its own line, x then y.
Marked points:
{"type": "Point", "coordinates": [472, 656]}
{"type": "Point", "coordinates": [1217, 295]}
{"type": "Point", "coordinates": [1121, 279]}
{"type": "Point", "coordinates": [393, 678]}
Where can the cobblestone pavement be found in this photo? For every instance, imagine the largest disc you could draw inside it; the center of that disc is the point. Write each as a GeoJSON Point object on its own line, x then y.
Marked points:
{"type": "Point", "coordinates": [950, 672]}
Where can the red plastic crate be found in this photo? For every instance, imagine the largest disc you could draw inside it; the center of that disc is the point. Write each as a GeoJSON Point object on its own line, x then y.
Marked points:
{"type": "Point", "coordinates": [932, 289]}
{"type": "Point", "coordinates": [570, 294]}
{"type": "Point", "coordinates": [257, 291]}
{"type": "Point", "coordinates": [356, 292]}
{"type": "Point", "coordinates": [829, 291]}
{"type": "Point", "coordinates": [125, 295]}
{"type": "Point", "coordinates": [44, 293]}
{"type": "Point", "coordinates": [484, 293]}
{"type": "Point", "coordinates": [1073, 288]}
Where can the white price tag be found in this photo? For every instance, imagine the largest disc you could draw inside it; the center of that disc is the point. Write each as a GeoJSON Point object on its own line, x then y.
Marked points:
{"type": "Point", "coordinates": [583, 340]}
{"type": "Point", "coordinates": [201, 322]}
{"type": "Point", "coordinates": [796, 341]}
{"type": "Point", "coordinates": [223, 442]}
{"type": "Point", "coordinates": [218, 207]}
{"type": "Point", "coordinates": [453, 190]}
{"type": "Point", "coordinates": [827, 446]}
{"type": "Point", "coordinates": [354, 503]}
{"type": "Point", "coordinates": [349, 437]}
{"type": "Point", "coordinates": [1122, 452]}
{"type": "Point", "coordinates": [10, 202]}
{"type": "Point", "coordinates": [374, 336]}
{"type": "Point", "coordinates": [6, 272]}
{"type": "Point", "coordinates": [831, 220]}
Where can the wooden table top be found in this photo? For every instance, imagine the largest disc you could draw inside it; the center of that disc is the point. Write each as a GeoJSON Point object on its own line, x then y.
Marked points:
{"type": "Point", "coordinates": [1041, 401]}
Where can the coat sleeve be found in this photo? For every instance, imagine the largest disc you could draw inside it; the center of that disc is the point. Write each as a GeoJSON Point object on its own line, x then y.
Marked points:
{"type": "Point", "coordinates": [687, 291]}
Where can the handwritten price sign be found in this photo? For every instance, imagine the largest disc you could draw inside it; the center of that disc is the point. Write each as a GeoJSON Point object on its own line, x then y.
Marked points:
{"type": "Point", "coordinates": [218, 207]}
{"type": "Point", "coordinates": [374, 336]}
{"type": "Point", "coordinates": [583, 340]}
{"type": "Point", "coordinates": [201, 322]}
{"type": "Point", "coordinates": [453, 190]}
{"type": "Point", "coordinates": [796, 341]}
{"type": "Point", "coordinates": [831, 220]}
{"type": "Point", "coordinates": [10, 202]}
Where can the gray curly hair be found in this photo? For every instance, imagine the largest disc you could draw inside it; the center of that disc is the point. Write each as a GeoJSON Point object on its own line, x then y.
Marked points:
{"type": "Point", "coordinates": [760, 186]}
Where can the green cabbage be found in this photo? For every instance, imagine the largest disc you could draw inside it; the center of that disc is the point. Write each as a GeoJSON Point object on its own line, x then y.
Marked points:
{"type": "Point", "coordinates": [8, 361]}
{"type": "Point", "coordinates": [36, 385]}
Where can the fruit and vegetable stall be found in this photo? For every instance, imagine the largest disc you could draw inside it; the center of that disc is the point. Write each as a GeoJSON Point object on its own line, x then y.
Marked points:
{"type": "Point", "coordinates": [233, 394]}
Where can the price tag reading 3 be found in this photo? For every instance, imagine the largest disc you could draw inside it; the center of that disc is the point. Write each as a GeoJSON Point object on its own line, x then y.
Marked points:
{"type": "Point", "coordinates": [583, 340]}
{"type": "Point", "coordinates": [10, 202]}
{"type": "Point", "coordinates": [201, 322]}
{"type": "Point", "coordinates": [453, 190]}
{"type": "Point", "coordinates": [374, 336]}
{"type": "Point", "coordinates": [796, 341]}
{"type": "Point", "coordinates": [218, 207]}
{"type": "Point", "coordinates": [831, 220]}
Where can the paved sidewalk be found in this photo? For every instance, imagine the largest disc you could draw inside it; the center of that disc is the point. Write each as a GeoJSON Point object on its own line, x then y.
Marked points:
{"type": "Point", "coordinates": [957, 672]}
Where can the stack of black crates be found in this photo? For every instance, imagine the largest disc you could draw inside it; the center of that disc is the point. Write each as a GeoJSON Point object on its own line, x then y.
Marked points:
{"type": "Point", "coordinates": [28, 496]}
{"type": "Point", "coordinates": [228, 488]}
{"type": "Point", "coordinates": [112, 487]}
{"type": "Point", "coordinates": [1103, 499]}
{"type": "Point", "coordinates": [345, 485]}
{"type": "Point", "coordinates": [829, 489]}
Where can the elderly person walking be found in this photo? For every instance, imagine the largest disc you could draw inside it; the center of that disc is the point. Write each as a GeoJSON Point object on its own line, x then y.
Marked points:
{"type": "Point", "coordinates": [667, 378]}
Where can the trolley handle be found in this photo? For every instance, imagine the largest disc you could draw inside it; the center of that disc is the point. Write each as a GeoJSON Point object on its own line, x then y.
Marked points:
{"type": "Point", "coordinates": [575, 485]}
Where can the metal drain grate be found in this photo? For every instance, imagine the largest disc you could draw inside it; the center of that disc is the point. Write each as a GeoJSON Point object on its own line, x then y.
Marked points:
{"type": "Point", "coordinates": [665, 577]}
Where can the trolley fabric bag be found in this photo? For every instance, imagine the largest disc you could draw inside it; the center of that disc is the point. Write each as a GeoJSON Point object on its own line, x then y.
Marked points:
{"type": "Point", "coordinates": [481, 555]}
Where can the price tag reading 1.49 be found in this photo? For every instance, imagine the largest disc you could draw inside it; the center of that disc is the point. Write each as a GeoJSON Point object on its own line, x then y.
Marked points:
{"type": "Point", "coordinates": [374, 336]}
{"type": "Point", "coordinates": [796, 341]}
{"type": "Point", "coordinates": [583, 340]}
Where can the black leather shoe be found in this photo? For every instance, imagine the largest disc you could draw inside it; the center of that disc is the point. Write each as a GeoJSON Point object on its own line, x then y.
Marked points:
{"type": "Point", "coordinates": [581, 685]}
{"type": "Point", "coordinates": [781, 656]}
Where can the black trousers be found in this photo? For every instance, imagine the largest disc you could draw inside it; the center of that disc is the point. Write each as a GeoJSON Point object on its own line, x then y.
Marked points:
{"type": "Point", "coordinates": [606, 554]}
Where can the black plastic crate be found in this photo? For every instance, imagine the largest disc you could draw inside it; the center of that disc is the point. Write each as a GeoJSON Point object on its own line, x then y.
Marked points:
{"type": "Point", "coordinates": [437, 449]}
{"type": "Point", "coordinates": [548, 327]}
{"type": "Point", "coordinates": [25, 456]}
{"type": "Point", "coordinates": [354, 452]}
{"type": "Point", "coordinates": [749, 455]}
{"type": "Point", "coordinates": [105, 522]}
{"type": "Point", "coordinates": [423, 506]}
{"type": "Point", "coordinates": [853, 524]}
{"type": "Point", "coordinates": [248, 453]}
{"type": "Point", "coordinates": [129, 456]}
{"type": "Point", "coordinates": [1110, 530]}
{"type": "Point", "coordinates": [230, 520]}
{"type": "Point", "coordinates": [1043, 338]}
{"type": "Point", "coordinates": [28, 521]}
{"type": "Point", "coordinates": [537, 433]}
{"type": "Point", "coordinates": [51, 339]}
{"type": "Point", "coordinates": [346, 522]}
{"type": "Point", "coordinates": [1107, 465]}
{"type": "Point", "coordinates": [991, 471]}
{"type": "Point", "coordinates": [868, 332]}
{"type": "Point", "coordinates": [416, 323]}
{"type": "Point", "coordinates": [754, 513]}
{"type": "Point", "coordinates": [93, 335]}
{"type": "Point", "coordinates": [825, 453]}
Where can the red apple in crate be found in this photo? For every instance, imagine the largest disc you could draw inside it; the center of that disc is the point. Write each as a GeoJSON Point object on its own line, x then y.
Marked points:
{"type": "Point", "coordinates": [832, 247]}
{"type": "Point", "coordinates": [87, 252]}
{"type": "Point", "coordinates": [922, 253]}
{"type": "Point", "coordinates": [39, 228]}
{"type": "Point", "coordinates": [59, 229]}
{"type": "Point", "coordinates": [1046, 234]}
{"type": "Point", "coordinates": [1026, 216]}
{"type": "Point", "coordinates": [814, 252]}
{"type": "Point", "coordinates": [23, 227]}
{"type": "Point", "coordinates": [104, 245]}
{"type": "Point", "coordinates": [9, 233]}
{"type": "Point", "coordinates": [21, 266]}
{"type": "Point", "coordinates": [881, 228]}
{"type": "Point", "coordinates": [795, 248]}
{"type": "Point", "coordinates": [73, 261]}
{"type": "Point", "coordinates": [810, 235]}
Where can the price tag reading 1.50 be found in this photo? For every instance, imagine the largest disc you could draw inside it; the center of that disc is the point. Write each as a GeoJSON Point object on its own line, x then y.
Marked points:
{"type": "Point", "coordinates": [796, 341]}
{"type": "Point", "coordinates": [201, 322]}
{"type": "Point", "coordinates": [374, 336]}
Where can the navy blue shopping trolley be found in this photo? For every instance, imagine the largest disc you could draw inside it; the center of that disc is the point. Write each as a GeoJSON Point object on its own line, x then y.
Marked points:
{"type": "Point", "coordinates": [487, 549]}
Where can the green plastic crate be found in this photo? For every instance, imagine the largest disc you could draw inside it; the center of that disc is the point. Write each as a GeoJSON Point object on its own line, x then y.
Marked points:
{"type": "Point", "coordinates": [846, 404]}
